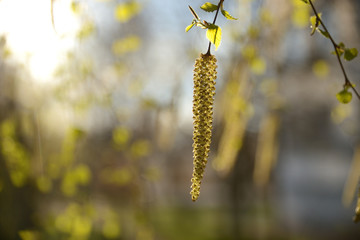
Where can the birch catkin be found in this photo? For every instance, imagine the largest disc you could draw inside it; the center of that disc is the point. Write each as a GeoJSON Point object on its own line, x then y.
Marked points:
{"type": "Point", "coordinates": [204, 91]}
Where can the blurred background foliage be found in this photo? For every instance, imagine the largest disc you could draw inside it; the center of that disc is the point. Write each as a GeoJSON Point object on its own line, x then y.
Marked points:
{"type": "Point", "coordinates": [96, 124]}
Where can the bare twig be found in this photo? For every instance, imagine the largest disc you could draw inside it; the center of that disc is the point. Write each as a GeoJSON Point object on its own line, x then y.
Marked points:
{"type": "Point", "coordinates": [52, 15]}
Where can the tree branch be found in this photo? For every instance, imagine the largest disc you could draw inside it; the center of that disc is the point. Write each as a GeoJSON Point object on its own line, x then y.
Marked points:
{"type": "Point", "coordinates": [336, 47]}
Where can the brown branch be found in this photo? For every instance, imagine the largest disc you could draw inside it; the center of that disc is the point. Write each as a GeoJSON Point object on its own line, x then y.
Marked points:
{"type": "Point", "coordinates": [336, 47]}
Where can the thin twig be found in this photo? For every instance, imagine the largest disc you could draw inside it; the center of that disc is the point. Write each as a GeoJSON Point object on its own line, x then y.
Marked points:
{"type": "Point", "coordinates": [217, 12]}
{"type": "Point", "coordinates": [52, 15]}
{"type": "Point", "coordinates": [336, 47]}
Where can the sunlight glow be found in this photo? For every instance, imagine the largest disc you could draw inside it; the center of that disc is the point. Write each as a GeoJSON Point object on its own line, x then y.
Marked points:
{"type": "Point", "coordinates": [31, 37]}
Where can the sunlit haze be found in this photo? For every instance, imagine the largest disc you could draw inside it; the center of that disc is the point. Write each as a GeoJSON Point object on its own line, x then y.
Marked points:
{"type": "Point", "coordinates": [31, 37]}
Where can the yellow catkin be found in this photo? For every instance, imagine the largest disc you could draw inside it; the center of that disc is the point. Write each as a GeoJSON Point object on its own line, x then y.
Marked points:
{"type": "Point", "coordinates": [204, 91]}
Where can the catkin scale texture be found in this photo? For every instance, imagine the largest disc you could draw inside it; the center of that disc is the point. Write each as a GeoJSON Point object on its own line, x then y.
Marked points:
{"type": "Point", "coordinates": [203, 100]}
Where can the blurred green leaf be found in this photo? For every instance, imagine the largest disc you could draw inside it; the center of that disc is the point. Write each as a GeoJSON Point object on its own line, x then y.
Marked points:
{"type": "Point", "coordinates": [69, 145]}
{"type": "Point", "coordinates": [344, 96]}
{"type": "Point", "coordinates": [209, 7]}
{"type": "Point", "coordinates": [314, 23]}
{"type": "Point", "coordinates": [301, 14]}
{"type": "Point", "coordinates": [16, 156]}
{"type": "Point", "coordinates": [258, 65]}
{"type": "Point", "coordinates": [120, 177]}
{"type": "Point", "coordinates": [350, 54]}
{"type": "Point", "coordinates": [44, 184]}
{"type": "Point", "coordinates": [126, 11]}
{"type": "Point", "coordinates": [148, 103]}
{"type": "Point", "coordinates": [249, 52]}
{"type": "Point", "coordinates": [152, 174]}
{"type": "Point", "coordinates": [28, 235]}
{"type": "Point", "coordinates": [340, 49]}
{"type": "Point", "coordinates": [86, 30]}
{"type": "Point", "coordinates": [120, 136]}
{"type": "Point", "coordinates": [75, 7]}
{"type": "Point", "coordinates": [126, 45]}
{"type": "Point", "coordinates": [111, 228]}
{"type": "Point", "coordinates": [340, 112]}
{"type": "Point", "coordinates": [68, 184]}
{"type": "Point", "coordinates": [76, 220]}
{"type": "Point", "coordinates": [81, 227]}
{"type": "Point", "coordinates": [140, 148]}
{"type": "Point", "coordinates": [6, 53]}
{"type": "Point", "coordinates": [320, 68]}
{"type": "Point", "coordinates": [82, 174]}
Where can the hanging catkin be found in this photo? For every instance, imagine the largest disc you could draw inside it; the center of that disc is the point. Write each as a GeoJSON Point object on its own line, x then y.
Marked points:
{"type": "Point", "coordinates": [204, 91]}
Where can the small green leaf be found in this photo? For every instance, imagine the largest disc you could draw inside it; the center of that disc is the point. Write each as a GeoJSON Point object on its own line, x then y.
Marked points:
{"type": "Point", "coordinates": [209, 7]}
{"type": "Point", "coordinates": [340, 48]}
{"type": "Point", "coordinates": [342, 45]}
{"type": "Point", "coordinates": [227, 15]}
{"type": "Point", "coordinates": [350, 54]}
{"type": "Point", "coordinates": [214, 35]}
{"type": "Point", "coordinates": [313, 20]}
{"type": "Point", "coordinates": [344, 96]}
{"type": "Point", "coordinates": [189, 27]}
